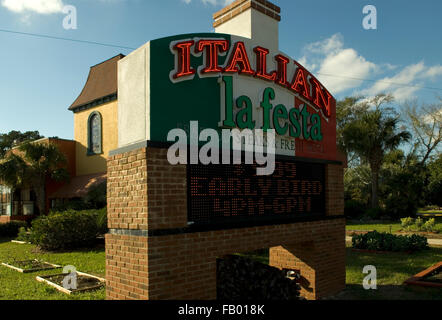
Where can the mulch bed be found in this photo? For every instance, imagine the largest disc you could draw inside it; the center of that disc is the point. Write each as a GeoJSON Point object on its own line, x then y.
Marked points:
{"type": "Point", "coordinates": [27, 266]}
{"type": "Point", "coordinates": [85, 282]}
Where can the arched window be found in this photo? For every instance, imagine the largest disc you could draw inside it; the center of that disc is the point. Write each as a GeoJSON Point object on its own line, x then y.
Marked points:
{"type": "Point", "coordinates": [94, 130]}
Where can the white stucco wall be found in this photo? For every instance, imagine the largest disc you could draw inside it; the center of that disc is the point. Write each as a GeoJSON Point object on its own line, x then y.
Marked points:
{"type": "Point", "coordinates": [239, 25]}
{"type": "Point", "coordinates": [255, 25]}
{"type": "Point", "coordinates": [134, 97]}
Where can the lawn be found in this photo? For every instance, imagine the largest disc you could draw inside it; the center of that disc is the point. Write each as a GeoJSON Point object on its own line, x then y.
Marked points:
{"type": "Point", "coordinates": [392, 270]}
{"type": "Point", "coordinates": [18, 286]}
{"type": "Point", "coordinates": [386, 226]}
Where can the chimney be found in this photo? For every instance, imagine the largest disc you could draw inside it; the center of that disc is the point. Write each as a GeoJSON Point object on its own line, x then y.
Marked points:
{"type": "Point", "coordinates": [254, 19]}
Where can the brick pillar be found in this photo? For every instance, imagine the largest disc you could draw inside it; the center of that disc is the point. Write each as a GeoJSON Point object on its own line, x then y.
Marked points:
{"type": "Point", "coordinates": [321, 261]}
{"type": "Point", "coordinates": [126, 252]}
{"type": "Point", "coordinates": [334, 195]}
{"type": "Point", "coordinates": [152, 254]}
{"type": "Point", "coordinates": [145, 193]}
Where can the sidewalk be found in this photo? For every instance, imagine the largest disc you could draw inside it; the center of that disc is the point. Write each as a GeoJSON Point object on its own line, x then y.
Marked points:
{"type": "Point", "coordinates": [431, 242]}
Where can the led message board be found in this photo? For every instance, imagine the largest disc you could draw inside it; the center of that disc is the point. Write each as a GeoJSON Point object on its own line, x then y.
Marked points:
{"type": "Point", "coordinates": [232, 193]}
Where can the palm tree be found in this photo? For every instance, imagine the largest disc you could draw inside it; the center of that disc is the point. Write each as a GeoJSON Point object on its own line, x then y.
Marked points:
{"type": "Point", "coordinates": [371, 135]}
{"type": "Point", "coordinates": [12, 171]}
{"type": "Point", "coordinates": [32, 165]}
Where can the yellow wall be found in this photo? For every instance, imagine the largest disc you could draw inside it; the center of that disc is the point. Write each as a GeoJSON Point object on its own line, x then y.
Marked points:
{"type": "Point", "coordinates": [95, 164]}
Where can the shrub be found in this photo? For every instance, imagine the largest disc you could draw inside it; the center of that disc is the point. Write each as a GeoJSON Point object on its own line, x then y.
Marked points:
{"type": "Point", "coordinates": [11, 229]}
{"type": "Point", "coordinates": [429, 225]}
{"type": "Point", "coordinates": [24, 235]}
{"type": "Point", "coordinates": [66, 230]}
{"type": "Point", "coordinates": [388, 242]}
{"type": "Point", "coordinates": [102, 221]}
{"type": "Point", "coordinates": [419, 223]}
{"type": "Point", "coordinates": [406, 223]}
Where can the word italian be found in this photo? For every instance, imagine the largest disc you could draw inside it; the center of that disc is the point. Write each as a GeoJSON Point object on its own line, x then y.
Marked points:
{"type": "Point", "coordinates": [302, 82]}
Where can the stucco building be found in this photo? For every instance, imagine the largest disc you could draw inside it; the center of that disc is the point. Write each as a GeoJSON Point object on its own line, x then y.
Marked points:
{"type": "Point", "coordinates": [95, 134]}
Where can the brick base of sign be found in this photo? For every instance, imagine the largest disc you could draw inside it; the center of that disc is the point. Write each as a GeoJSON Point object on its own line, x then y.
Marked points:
{"type": "Point", "coordinates": [152, 254]}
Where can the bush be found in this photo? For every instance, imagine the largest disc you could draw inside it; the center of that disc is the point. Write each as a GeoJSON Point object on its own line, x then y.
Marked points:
{"type": "Point", "coordinates": [419, 223]}
{"type": "Point", "coordinates": [354, 208]}
{"type": "Point", "coordinates": [389, 242]}
{"type": "Point", "coordinates": [24, 235]}
{"type": "Point", "coordinates": [11, 229]}
{"type": "Point", "coordinates": [66, 230]}
{"type": "Point", "coordinates": [429, 225]}
{"type": "Point", "coordinates": [406, 223]}
{"type": "Point", "coordinates": [102, 221]}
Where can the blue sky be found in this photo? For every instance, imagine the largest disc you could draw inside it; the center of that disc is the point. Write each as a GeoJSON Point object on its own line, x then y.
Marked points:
{"type": "Point", "coordinates": [40, 78]}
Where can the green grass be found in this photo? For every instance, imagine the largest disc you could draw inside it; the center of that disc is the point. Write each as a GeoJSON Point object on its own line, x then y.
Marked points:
{"type": "Point", "coordinates": [392, 270]}
{"type": "Point", "coordinates": [381, 227]}
{"type": "Point", "coordinates": [384, 226]}
{"type": "Point", "coordinates": [18, 286]}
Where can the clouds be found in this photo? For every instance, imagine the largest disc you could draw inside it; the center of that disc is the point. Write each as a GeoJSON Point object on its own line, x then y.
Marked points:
{"type": "Point", "coordinates": [405, 78]}
{"type": "Point", "coordinates": [36, 6]}
{"type": "Point", "coordinates": [329, 58]}
{"type": "Point", "coordinates": [39, 6]}
{"type": "Point", "coordinates": [340, 69]}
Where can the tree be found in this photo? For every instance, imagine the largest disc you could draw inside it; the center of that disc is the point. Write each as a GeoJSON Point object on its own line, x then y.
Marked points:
{"type": "Point", "coordinates": [434, 187]}
{"type": "Point", "coordinates": [426, 123]}
{"type": "Point", "coordinates": [347, 111]}
{"type": "Point", "coordinates": [12, 171]}
{"type": "Point", "coordinates": [14, 138]}
{"type": "Point", "coordinates": [371, 134]}
{"type": "Point", "coordinates": [32, 166]}
{"type": "Point", "coordinates": [402, 181]}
